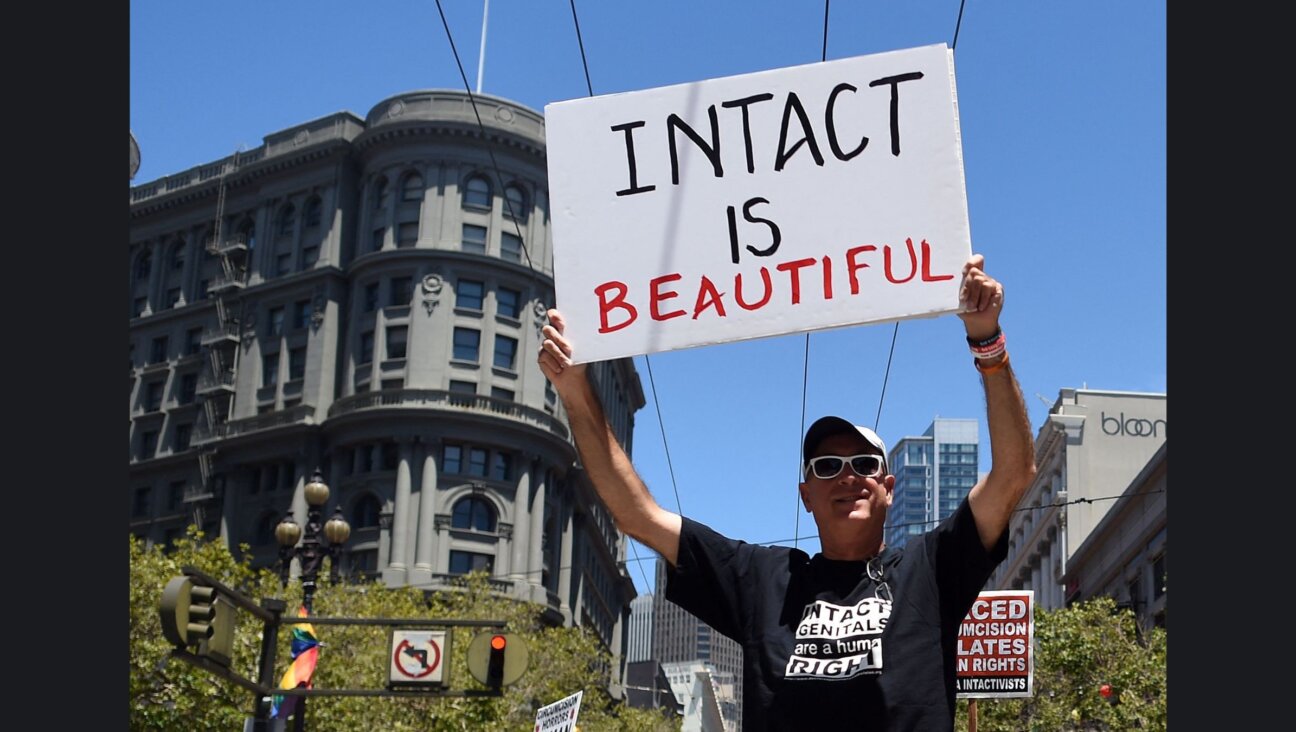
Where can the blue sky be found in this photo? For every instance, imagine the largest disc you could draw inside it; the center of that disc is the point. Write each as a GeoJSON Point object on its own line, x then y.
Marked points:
{"type": "Point", "coordinates": [1063, 118]}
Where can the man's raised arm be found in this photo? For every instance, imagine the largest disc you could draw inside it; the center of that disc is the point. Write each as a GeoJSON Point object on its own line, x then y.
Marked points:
{"type": "Point", "coordinates": [608, 467]}
{"type": "Point", "coordinates": [1012, 447]}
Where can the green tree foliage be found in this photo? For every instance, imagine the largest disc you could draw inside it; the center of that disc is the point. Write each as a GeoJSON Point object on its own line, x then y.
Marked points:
{"type": "Point", "coordinates": [1077, 650]}
{"type": "Point", "coordinates": [171, 694]}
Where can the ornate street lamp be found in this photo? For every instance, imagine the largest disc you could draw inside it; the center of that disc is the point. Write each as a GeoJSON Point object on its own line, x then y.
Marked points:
{"type": "Point", "coordinates": [312, 551]}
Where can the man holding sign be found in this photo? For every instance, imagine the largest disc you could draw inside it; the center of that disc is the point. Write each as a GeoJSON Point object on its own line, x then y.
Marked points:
{"type": "Point", "coordinates": [860, 636]}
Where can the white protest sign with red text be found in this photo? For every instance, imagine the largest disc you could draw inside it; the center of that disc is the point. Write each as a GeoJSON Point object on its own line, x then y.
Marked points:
{"type": "Point", "coordinates": [996, 655]}
{"type": "Point", "coordinates": [796, 199]}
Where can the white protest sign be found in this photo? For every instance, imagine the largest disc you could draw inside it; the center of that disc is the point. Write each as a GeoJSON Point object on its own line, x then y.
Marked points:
{"type": "Point", "coordinates": [559, 716]}
{"type": "Point", "coordinates": [996, 646]}
{"type": "Point", "coordinates": [796, 199]}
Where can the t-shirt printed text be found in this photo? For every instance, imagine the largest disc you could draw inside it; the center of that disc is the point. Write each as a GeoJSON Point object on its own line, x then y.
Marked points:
{"type": "Point", "coordinates": [839, 642]}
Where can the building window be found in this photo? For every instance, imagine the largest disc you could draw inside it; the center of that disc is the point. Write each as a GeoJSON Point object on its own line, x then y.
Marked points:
{"type": "Point", "coordinates": [183, 433]}
{"type": "Point", "coordinates": [188, 388]}
{"type": "Point", "coordinates": [140, 506]}
{"type": "Point", "coordinates": [177, 256]}
{"type": "Point", "coordinates": [248, 233]}
{"type": "Point", "coordinates": [276, 318]}
{"type": "Point", "coordinates": [143, 266]}
{"type": "Point", "coordinates": [286, 217]}
{"type": "Point", "coordinates": [366, 347]}
{"type": "Point", "coordinates": [158, 350]}
{"type": "Point", "coordinates": [452, 459]}
{"type": "Point", "coordinates": [391, 384]}
{"type": "Point", "coordinates": [193, 341]}
{"type": "Point", "coordinates": [203, 285]}
{"type": "Point", "coordinates": [551, 396]}
{"type": "Point", "coordinates": [296, 363]}
{"type": "Point", "coordinates": [313, 211]}
{"type": "Point", "coordinates": [376, 241]}
{"type": "Point", "coordinates": [173, 297]}
{"type": "Point", "coordinates": [477, 193]}
{"type": "Point", "coordinates": [365, 513]}
{"type": "Point", "coordinates": [265, 529]}
{"type": "Point", "coordinates": [153, 396]}
{"type": "Point", "coordinates": [466, 343]}
{"type": "Point", "coordinates": [1158, 577]}
{"type": "Point", "coordinates": [148, 444]}
{"type": "Point", "coordinates": [283, 263]}
{"type": "Point", "coordinates": [302, 314]}
{"type": "Point", "coordinates": [469, 294]}
{"type": "Point", "coordinates": [499, 392]}
{"type": "Point", "coordinates": [310, 255]}
{"type": "Point", "coordinates": [175, 494]}
{"type": "Point", "coordinates": [270, 369]}
{"type": "Point", "coordinates": [465, 562]}
{"type": "Point", "coordinates": [370, 297]}
{"type": "Point", "coordinates": [407, 234]}
{"type": "Point", "coordinates": [390, 454]}
{"type": "Point", "coordinates": [402, 291]}
{"type": "Point", "coordinates": [477, 461]}
{"type": "Point", "coordinates": [137, 307]}
{"type": "Point", "coordinates": [473, 513]}
{"type": "Point", "coordinates": [509, 302]}
{"type": "Point", "coordinates": [505, 352]}
{"type": "Point", "coordinates": [474, 239]}
{"type": "Point", "coordinates": [516, 198]}
{"type": "Point", "coordinates": [502, 466]}
{"type": "Point", "coordinates": [412, 188]}
{"type": "Point", "coordinates": [379, 194]}
{"type": "Point", "coordinates": [510, 247]}
{"type": "Point", "coordinates": [396, 339]}
{"type": "Point", "coordinates": [364, 562]}
{"type": "Point", "coordinates": [463, 387]}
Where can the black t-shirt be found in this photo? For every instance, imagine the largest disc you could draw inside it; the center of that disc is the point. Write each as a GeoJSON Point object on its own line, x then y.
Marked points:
{"type": "Point", "coordinates": [823, 647]}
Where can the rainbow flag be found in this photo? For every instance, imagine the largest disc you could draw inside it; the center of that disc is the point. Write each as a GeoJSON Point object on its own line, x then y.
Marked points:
{"type": "Point", "coordinates": [305, 654]}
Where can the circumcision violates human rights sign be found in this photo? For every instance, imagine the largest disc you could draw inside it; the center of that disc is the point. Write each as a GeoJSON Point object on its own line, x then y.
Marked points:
{"type": "Point", "coordinates": [796, 199]}
{"type": "Point", "coordinates": [996, 646]}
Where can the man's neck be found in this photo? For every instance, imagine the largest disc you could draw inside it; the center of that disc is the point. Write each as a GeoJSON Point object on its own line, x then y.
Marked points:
{"type": "Point", "coordinates": [851, 551]}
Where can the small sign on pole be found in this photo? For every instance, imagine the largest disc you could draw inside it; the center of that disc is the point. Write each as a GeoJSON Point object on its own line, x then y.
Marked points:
{"type": "Point", "coordinates": [419, 658]}
{"type": "Point", "coordinates": [996, 656]}
{"type": "Point", "coordinates": [559, 716]}
{"type": "Point", "coordinates": [796, 199]}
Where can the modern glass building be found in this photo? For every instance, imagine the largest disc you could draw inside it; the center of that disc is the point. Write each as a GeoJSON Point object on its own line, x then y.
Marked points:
{"type": "Point", "coordinates": [933, 473]}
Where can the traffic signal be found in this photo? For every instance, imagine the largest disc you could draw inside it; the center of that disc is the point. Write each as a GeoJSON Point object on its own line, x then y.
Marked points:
{"type": "Point", "coordinates": [187, 611]}
{"type": "Point", "coordinates": [495, 666]}
{"type": "Point", "coordinates": [497, 659]}
{"type": "Point", "coordinates": [196, 615]}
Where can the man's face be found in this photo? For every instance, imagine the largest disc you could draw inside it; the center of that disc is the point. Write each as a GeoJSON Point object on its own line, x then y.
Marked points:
{"type": "Point", "coordinates": [847, 497]}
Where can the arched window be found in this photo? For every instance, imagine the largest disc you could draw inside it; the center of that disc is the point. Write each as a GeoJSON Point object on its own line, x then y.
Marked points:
{"type": "Point", "coordinates": [379, 195]}
{"type": "Point", "coordinates": [412, 187]}
{"type": "Point", "coordinates": [286, 215]}
{"type": "Point", "coordinates": [517, 202]}
{"type": "Point", "coordinates": [313, 212]}
{"type": "Point", "coordinates": [144, 265]}
{"type": "Point", "coordinates": [473, 513]}
{"type": "Point", "coordinates": [477, 193]}
{"type": "Point", "coordinates": [365, 513]}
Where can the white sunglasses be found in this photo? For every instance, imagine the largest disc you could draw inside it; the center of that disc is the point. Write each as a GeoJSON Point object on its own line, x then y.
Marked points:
{"type": "Point", "coordinates": [824, 467]}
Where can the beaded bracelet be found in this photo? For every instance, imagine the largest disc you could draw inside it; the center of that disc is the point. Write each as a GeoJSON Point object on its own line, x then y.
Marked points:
{"type": "Point", "coordinates": [991, 369]}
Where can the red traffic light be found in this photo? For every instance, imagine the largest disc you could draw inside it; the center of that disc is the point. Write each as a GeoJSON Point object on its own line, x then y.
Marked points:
{"type": "Point", "coordinates": [498, 642]}
{"type": "Point", "coordinates": [1105, 690]}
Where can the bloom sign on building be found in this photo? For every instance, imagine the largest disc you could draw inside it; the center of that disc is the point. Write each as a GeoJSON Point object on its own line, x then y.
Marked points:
{"type": "Point", "coordinates": [803, 198]}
